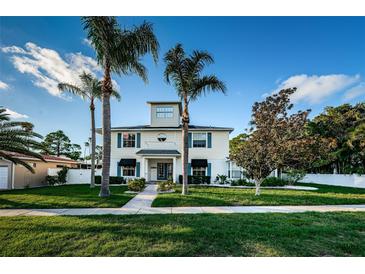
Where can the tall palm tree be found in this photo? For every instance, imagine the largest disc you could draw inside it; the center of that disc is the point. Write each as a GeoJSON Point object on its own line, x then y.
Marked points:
{"type": "Point", "coordinates": [18, 137]}
{"type": "Point", "coordinates": [185, 73]}
{"type": "Point", "coordinates": [119, 51]}
{"type": "Point", "coordinates": [90, 89]}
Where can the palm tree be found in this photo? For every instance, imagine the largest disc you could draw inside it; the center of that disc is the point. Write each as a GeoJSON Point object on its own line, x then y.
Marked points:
{"type": "Point", "coordinates": [185, 73]}
{"type": "Point", "coordinates": [117, 51]}
{"type": "Point", "coordinates": [90, 89]}
{"type": "Point", "coordinates": [18, 137]}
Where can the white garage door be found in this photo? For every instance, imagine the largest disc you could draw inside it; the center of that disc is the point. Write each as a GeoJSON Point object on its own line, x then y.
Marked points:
{"type": "Point", "coordinates": [3, 177]}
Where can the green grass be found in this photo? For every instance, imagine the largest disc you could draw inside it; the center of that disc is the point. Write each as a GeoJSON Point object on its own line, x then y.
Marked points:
{"type": "Point", "coordinates": [214, 196]}
{"type": "Point", "coordinates": [275, 234]}
{"type": "Point", "coordinates": [66, 196]}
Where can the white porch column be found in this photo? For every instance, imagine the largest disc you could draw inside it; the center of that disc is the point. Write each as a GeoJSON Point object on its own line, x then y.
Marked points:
{"type": "Point", "coordinates": [174, 169]}
{"type": "Point", "coordinates": [145, 168]}
{"type": "Point", "coordinates": [230, 169]}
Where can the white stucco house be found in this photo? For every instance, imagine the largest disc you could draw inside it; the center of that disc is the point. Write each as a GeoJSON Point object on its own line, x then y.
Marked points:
{"type": "Point", "coordinates": [154, 151]}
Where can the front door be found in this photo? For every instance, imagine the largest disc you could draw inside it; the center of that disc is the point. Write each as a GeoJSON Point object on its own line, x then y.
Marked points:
{"type": "Point", "coordinates": [164, 171]}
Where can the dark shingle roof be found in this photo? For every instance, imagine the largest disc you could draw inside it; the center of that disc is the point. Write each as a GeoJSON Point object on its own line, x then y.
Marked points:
{"type": "Point", "coordinates": [158, 152]}
{"type": "Point", "coordinates": [148, 127]}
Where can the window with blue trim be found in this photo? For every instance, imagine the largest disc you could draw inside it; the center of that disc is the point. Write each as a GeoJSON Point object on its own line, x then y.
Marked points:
{"type": "Point", "coordinates": [199, 139]}
{"type": "Point", "coordinates": [129, 139]}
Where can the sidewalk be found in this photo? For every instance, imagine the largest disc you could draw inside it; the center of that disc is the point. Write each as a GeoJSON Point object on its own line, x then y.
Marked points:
{"type": "Point", "coordinates": [179, 210]}
{"type": "Point", "coordinates": [141, 204]}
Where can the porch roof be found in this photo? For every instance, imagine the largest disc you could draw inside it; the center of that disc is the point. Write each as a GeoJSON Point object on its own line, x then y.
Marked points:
{"type": "Point", "coordinates": [169, 152]}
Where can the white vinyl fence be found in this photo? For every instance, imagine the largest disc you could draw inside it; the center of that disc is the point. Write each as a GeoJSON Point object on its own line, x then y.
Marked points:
{"type": "Point", "coordinates": [353, 180]}
{"type": "Point", "coordinates": [76, 176]}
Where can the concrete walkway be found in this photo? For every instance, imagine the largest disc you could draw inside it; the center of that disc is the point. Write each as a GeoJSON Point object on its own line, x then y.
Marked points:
{"type": "Point", "coordinates": [141, 204]}
{"type": "Point", "coordinates": [143, 199]}
{"type": "Point", "coordinates": [179, 210]}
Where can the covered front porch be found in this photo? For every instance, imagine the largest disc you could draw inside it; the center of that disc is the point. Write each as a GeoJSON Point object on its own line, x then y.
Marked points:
{"type": "Point", "coordinates": [159, 165]}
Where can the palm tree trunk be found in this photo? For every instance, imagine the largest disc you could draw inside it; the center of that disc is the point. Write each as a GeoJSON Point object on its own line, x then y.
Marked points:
{"type": "Point", "coordinates": [106, 89]}
{"type": "Point", "coordinates": [92, 110]}
{"type": "Point", "coordinates": [185, 156]}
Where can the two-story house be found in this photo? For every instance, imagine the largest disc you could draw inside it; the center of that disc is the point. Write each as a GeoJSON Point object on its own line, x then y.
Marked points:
{"type": "Point", "coordinates": [154, 151]}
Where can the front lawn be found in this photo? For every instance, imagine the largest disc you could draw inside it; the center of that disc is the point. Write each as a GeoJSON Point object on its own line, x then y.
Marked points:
{"type": "Point", "coordinates": [276, 234]}
{"type": "Point", "coordinates": [214, 196]}
{"type": "Point", "coordinates": [66, 196]}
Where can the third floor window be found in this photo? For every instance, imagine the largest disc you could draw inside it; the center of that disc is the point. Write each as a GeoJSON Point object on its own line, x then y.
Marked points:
{"type": "Point", "coordinates": [164, 112]}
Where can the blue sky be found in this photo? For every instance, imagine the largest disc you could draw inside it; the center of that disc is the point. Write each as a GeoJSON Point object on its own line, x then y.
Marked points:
{"type": "Point", "coordinates": [323, 56]}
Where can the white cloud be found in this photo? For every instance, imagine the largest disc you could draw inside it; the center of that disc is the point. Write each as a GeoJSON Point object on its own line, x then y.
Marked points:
{"type": "Point", "coordinates": [316, 88]}
{"type": "Point", "coordinates": [355, 91]}
{"type": "Point", "coordinates": [48, 68]}
{"type": "Point", "coordinates": [13, 49]}
{"type": "Point", "coordinates": [86, 41]}
{"type": "Point", "coordinates": [15, 115]}
{"type": "Point", "coordinates": [3, 85]}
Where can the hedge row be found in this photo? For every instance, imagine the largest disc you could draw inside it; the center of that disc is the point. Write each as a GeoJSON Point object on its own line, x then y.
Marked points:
{"type": "Point", "coordinates": [196, 180]}
{"type": "Point", "coordinates": [115, 180]}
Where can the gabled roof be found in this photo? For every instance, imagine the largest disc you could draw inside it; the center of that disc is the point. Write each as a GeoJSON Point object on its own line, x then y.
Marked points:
{"type": "Point", "coordinates": [149, 128]}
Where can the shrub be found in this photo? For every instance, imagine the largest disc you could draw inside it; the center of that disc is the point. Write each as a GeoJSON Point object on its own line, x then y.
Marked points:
{"type": "Point", "coordinates": [273, 181]}
{"type": "Point", "coordinates": [59, 179]}
{"type": "Point", "coordinates": [62, 175]}
{"type": "Point", "coordinates": [165, 185]}
{"type": "Point", "coordinates": [196, 180]}
{"type": "Point", "coordinates": [51, 180]}
{"type": "Point", "coordinates": [294, 175]}
{"type": "Point", "coordinates": [222, 179]}
{"type": "Point", "coordinates": [115, 180]}
{"type": "Point", "coordinates": [241, 182]}
{"type": "Point", "coordinates": [136, 184]}
{"type": "Point", "coordinates": [97, 179]}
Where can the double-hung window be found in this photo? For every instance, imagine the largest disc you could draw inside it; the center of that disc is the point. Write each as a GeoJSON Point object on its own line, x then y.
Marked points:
{"type": "Point", "coordinates": [199, 171]}
{"type": "Point", "coordinates": [129, 140]}
{"type": "Point", "coordinates": [164, 112]}
{"type": "Point", "coordinates": [129, 171]}
{"type": "Point", "coordinates": [199, 140]}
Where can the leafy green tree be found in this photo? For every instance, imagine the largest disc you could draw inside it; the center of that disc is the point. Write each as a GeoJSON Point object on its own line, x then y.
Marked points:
{"type": "Point", "coordinates": [57, 143]}
{"type": "Point", "coordinates": [343, 125]}
{"type": "Point", "coordinates": [90, 90]}
{"type": "Point", "coordinates": [117, 51]}
{"type": "Point", "coordinates": [74, 152]}
{"type": "Point", "coordinates": [235, 142]}
{"type": "Point", "coordinates": [185, 73]}
{"type": "Point", "coordinates": [18, 137]}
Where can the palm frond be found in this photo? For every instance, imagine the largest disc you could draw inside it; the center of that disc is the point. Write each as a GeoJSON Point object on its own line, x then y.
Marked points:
{"type": "Point", "coordinates": [207, 84]}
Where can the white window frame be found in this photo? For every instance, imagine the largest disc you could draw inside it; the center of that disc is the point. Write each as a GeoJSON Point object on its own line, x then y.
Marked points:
{"type": "Point", "coordinates": [135, 139]}
{"type": "Point", "coordinates": [164, 112]}
{"type": "Point", "coordinates": [205, 171]}
{"type": "Point", "coordinates": [129, 168]}
{"type": "Point", "coordinates": [192, 139]}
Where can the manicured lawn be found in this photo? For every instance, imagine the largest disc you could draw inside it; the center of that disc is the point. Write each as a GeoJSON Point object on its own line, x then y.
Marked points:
{"type": "Point", "coordinates": [67, 196]}
{"type": "Point", "coordinates": [214, 196]}
{"type": "Point", "coordinates": [300, 234]}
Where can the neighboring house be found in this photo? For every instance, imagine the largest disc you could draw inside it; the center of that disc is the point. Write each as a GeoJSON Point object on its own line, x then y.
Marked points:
{"type": "Point", "coordinates": [154, 151]}
{"type": "Point", "coordinates": [16, 176]}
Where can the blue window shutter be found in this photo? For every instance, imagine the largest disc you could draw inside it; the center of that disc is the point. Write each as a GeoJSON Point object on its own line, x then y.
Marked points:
{"type": "Point", "coordinates": [189, 169]}
{"type": "Point", "coordinates": [138, 140]}
{"type": "Point", "coordinates": [119, 140]}
{"type": "Point", "coordinates": [209, 140]}
{"type": "Point", "coordinates": [138, 169]}
{"type": "Point", "coordinates": [118, 170]}
{"type": "Point", "coordinates": [209, 171]}
{"type": "Point", "coordinates": [189, 140]}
